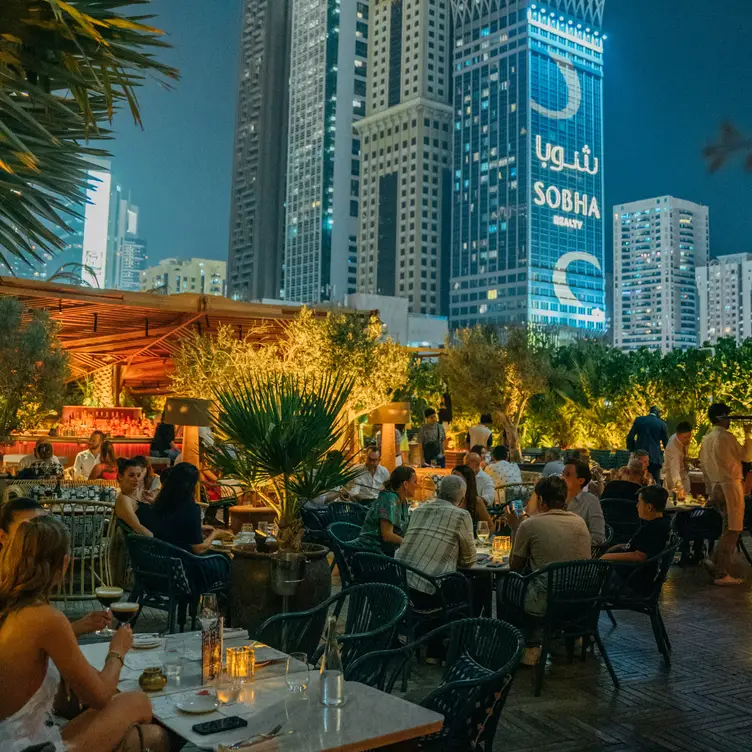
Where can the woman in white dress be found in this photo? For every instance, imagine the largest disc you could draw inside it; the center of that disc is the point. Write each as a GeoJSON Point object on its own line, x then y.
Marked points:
{"type": "Point", "coordinates": [38, 647]}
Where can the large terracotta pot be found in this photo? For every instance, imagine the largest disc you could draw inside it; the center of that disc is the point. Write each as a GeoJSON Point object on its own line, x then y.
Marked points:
{"type": "Point", "coordinates": [252, 600]}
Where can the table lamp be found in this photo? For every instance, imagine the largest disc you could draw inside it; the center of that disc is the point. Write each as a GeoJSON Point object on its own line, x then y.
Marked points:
{"type": "Point", "coordinates": [192, 414]}
{"type": "Point", "coordinates": [388, 416]}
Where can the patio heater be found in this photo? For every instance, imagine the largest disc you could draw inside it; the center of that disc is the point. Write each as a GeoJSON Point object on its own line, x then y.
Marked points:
{"type": "Point", "coordinates": [191, 414]}
{"type": "Point", "coordinates": [388, 416]}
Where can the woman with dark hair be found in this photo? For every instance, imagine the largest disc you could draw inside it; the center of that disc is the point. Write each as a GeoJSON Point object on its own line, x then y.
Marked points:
{"type": "Point", "coordinates": [387, 517]}
{"type": "Point", "coordinates": [107, 467]}
{"type": "Point", "coordinates": [149, 482]}
{"type": "Point", "coordinates": [176, 515]}
{"type": "Point", "coordinates": [163, 443]}
{"type": "Point", "coordinates": [472, 502]}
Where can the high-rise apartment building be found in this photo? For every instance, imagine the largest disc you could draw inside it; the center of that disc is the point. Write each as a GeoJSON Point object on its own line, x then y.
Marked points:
{"type": "Point", "coordinates": [200, 276]}
{"type": "Point", "coordinates": [327, 96]}
{"type": "Point", "coordinates": [527, 224]}
{"type": "Point", "coordinates": [96, 239]}
{"type": "Point", "coordinates": [724, 289]}
{"type": "Point", "coordinates": [126, 256]}
{"type": "Point", "coordinates": [257, 223]}
{"type": "Point", "coordinates": [406, 148]}
{"type": "Point", "coordinates": [658, 244]}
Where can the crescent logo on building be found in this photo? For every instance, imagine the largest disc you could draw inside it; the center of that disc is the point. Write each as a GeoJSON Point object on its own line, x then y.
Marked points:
{"type": "Point", "coordinates": [564, 292]}
{"type": "Point", "coordinates": [574, 91]}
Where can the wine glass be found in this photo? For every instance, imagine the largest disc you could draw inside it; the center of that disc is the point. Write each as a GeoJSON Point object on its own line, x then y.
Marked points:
{"type": "Point", "coordinates": [483, 532]}
{"type": "Point", "coordinates": [208, 613]}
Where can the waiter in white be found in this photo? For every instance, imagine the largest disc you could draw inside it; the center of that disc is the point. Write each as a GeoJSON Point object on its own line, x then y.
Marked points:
{"type": "Point", "coordinates": [675, 466]}
{"type": "Point", "coordinates": [721, 456]}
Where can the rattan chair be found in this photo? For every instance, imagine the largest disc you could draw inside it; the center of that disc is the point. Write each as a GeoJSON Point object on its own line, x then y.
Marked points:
{"type": "Point", "coordinates": [481, 660]}
{"type": "Point", "coordinates": [346, 511]}
{"type": "Point", "coordinates": [343, 538]}
{"type": "Point", "coordinates": [88, 523]}
{"type": "Point", "coordinates": [573, 592]}
{"type": "Point", "coordinates": [372, 613]}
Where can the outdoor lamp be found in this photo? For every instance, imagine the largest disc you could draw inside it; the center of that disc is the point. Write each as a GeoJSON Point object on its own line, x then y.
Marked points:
{"type": "Point", "coordinates": [192, 414]}
{"type": "Point", "coordinates": [388, 416]}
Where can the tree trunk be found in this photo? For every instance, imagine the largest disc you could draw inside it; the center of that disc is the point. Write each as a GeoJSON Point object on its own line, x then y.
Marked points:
{"type": "Point", "coordinates": [513, 437]}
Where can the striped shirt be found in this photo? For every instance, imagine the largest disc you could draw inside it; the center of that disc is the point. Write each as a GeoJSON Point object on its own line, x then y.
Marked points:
{"type": "Point", "coordinates": [439, 538]}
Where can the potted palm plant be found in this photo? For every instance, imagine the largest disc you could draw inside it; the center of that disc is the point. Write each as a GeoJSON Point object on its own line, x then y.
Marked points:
{"type": "Point", "coordinates": [275, 434]}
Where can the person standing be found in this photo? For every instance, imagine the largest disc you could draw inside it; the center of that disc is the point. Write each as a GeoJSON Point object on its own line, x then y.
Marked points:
{"type": "Point", "coordinates": [650, 433]}
{"type": "Point", "coordinates": [721, 457]}
{"type": "Point", "coordinates": [432, 438]}
{"type": "Point", "coordinates": [480, 434]}
{"type": "Point", "coordinates": [86, 460]}
{"type": "Point", "coordinates": [676, 468]}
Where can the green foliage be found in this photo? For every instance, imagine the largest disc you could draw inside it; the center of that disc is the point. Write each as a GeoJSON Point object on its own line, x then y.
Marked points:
{"type": "Point", "coordinates": [278, 430]}
{"type": "Point", "coordinates": [33, 367]}
{"type": "Point", "coordinates": [65, 68]}
{"type": "Point", "coordinates": [424, 388]}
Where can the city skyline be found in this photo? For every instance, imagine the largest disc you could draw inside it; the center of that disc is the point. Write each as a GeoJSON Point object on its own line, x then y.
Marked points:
{"type": "Point", "coordinates": [180, 166]}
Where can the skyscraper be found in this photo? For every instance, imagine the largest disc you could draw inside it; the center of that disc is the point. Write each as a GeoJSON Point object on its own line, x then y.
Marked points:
{"type": "Point", "coordinates": [97, 226]}
{"type": "Point", "coordinates": [260, 157]}
{"type": "Point", "coordinates": [126, 256]}
{"type": "Point", "coordinates": [327, 96]}
{"type": "Point", "coordinates": [527, 229]}
{"type": "Point", "coordinates": [658, 243]}
{"type": "Point", "coordinates": [406, 148]}
{"type": "Point", "coordinates": [724, 289]}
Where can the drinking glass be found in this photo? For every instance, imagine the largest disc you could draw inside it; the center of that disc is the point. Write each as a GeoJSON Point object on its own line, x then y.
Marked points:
{"type": "Point", "coordinates": [207, 611]}
{"type": "Point", "coordinates": [174, 651]}
{"type": "Point", "coordinates": [263, 528]}
{"type": "Point", "coordinates": [297, 673]}
{"type": "Point", "coordinates": [107, 596]}
{"type": "Point", "coordinates": [502, 545]}
{"type": "Point", "coordinates": [483, 531]}
{"type": "Point", "coordinates": [227, 687]}
{"type": "Point", "coordinates": [125, 612]}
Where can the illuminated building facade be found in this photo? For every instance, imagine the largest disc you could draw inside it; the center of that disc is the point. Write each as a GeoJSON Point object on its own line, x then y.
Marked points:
{"type": "Point", "coordinates": [406, 149]}
{"type": "Point", "coordinates": [527, 222]}
{"type": "Point", "coordinates": [658, 244]}
{"type": "Point", "coordinates": [724, 289]}
{"type": "Point", "coordinates": [327, 97]}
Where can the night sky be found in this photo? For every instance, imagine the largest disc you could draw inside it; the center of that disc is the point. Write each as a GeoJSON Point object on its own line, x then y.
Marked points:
{"type": "Point", "coordinates": [674, 71]}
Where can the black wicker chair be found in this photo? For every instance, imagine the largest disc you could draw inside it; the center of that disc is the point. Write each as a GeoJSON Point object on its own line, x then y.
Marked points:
{"type": "Point", "coordinates": [598, 551]}
{"type": "Point", "coordinates": [638, 588]}
{"type": "Point", "coordinates": [346, 511]}
{"type": "Point", "coordinates": [482, 657]}
{"type": "Point", "coordinates": [171, 579]}
{"type": "Point", "coordinates": [621, 515]}
{"type": "Point", "coordinates": [372, 613]}
{"type": "Point", "coordinates": [573, 592]}
{"type": "Point", "coordinates": [696, 528]}
{"type": "Point", "coordinates": [315, 522]}
{"type": "Point", "coordinates": [343, 538]}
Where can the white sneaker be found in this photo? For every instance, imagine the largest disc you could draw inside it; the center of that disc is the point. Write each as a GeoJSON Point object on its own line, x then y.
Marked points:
{"type": "Point", "coordinates": [729, 580]}
{"type": "Point", "coordinates": [531, 656]}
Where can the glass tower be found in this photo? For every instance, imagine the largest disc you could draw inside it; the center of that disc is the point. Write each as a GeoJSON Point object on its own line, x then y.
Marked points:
{"type": "Point", "coordinates": [527, 217]}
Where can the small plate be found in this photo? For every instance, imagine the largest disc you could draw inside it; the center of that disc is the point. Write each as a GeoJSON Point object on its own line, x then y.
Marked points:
{"type": "Point", "coordinates": [198, 704]}
{"type": "Point", "coordinates": [146, 642]}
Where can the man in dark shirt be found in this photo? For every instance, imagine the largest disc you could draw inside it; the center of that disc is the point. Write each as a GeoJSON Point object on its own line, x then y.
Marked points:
{"type": "Point", "coordinates": [651, 434]}
{"type": "Point", "coordinates": [628, 487]}
{"type": "Point", "coordinates": [651, 538]}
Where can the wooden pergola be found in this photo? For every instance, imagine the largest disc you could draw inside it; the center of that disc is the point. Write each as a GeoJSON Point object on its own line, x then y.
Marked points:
{"type": "Point", "coordinates": [134, 335]}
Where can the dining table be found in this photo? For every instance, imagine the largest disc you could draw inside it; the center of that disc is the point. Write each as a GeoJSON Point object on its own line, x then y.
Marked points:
{"type": "Point", "coordinates": [369, 718]}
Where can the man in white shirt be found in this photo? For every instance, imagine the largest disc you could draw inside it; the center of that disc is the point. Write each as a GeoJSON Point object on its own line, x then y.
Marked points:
{"type": "Point", "coordinates": [480, 435]}
{"type": "Point", "coordinates": [86, 460]}
{"type": "Point", "coordinates": [483, 481]}
{"type": "Point", "coordinates": [505, 472]}
{"type": "Point", "coordinates": [675, 467]}
{"type": "Point", "coordinates": [721, 457]}
{"type": "Point", "coordinates": [371, 479]}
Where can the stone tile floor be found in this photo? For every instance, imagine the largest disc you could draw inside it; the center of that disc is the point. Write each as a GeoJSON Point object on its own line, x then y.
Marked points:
{"type": "Point", "coordinates": [703, 703]}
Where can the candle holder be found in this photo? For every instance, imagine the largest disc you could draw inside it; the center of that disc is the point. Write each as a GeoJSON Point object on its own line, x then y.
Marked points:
{"type": "Point", "coordinates": [241, 663]}
{"type": "Point", "coordinates": [501, 546]}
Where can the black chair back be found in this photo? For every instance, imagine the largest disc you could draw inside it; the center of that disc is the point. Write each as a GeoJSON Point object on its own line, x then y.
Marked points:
{"type": "Point", "coordinates": [646, 580]}
{"type": "Point", "coordinates": [346, 511]}
{"type": "Point", "coordinates": [157, 570]}
{"type": "Point", "coordinates": [574, 594]}
{"type": "Point", "coordinates": [342, 539]}
{"type": "Point", "coordinates": [621, 515]}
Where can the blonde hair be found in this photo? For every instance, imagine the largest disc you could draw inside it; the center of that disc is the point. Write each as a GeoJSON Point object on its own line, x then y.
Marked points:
{"type": "Point", "coordinates": [31, 564]}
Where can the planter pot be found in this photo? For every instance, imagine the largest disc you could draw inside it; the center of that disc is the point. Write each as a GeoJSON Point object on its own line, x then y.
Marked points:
{"type": "Point", "coordinates": [252, 596]}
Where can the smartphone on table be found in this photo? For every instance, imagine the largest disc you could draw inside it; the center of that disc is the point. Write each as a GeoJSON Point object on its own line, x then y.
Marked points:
{"type": "Point", "coordinates": [223, 724]}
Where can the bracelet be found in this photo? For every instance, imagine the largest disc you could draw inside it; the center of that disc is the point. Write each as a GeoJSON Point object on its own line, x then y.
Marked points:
{"type": "Point", "coordinates": [113, 654]}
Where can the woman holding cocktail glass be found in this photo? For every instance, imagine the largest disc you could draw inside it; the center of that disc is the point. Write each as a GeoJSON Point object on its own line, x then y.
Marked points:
{"type": "Point", "coordinates": [38, 648]}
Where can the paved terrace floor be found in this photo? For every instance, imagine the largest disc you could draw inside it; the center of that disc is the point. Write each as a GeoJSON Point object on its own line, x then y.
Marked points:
{"type": "Point", "coordinates": [703, 703]}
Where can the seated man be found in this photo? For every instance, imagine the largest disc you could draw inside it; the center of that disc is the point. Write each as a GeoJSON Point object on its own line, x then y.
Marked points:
{"type": "Point", "coordinates": [500, 469]}
{"type": "Point", "coordinates": [647, 542]}
{"type": "Point", "coordinates": [371, 479]}
{"type": "Point", "coordinates": [628, 486]}
{"type": "Point", "coordinates": [641, 455]}
{"type": "Point", "coordinates": [483, 481]}
{"type": "Point", "coordinates": [551, 536]}
{"type": "Point", "coordinates": [577, 476]}
{"type": "Point", "coordinates": [554, 463]}
{"type": "Point", "coordinates": [440, 535]}
{"type": "Point", "coordinates": [16, 512]}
